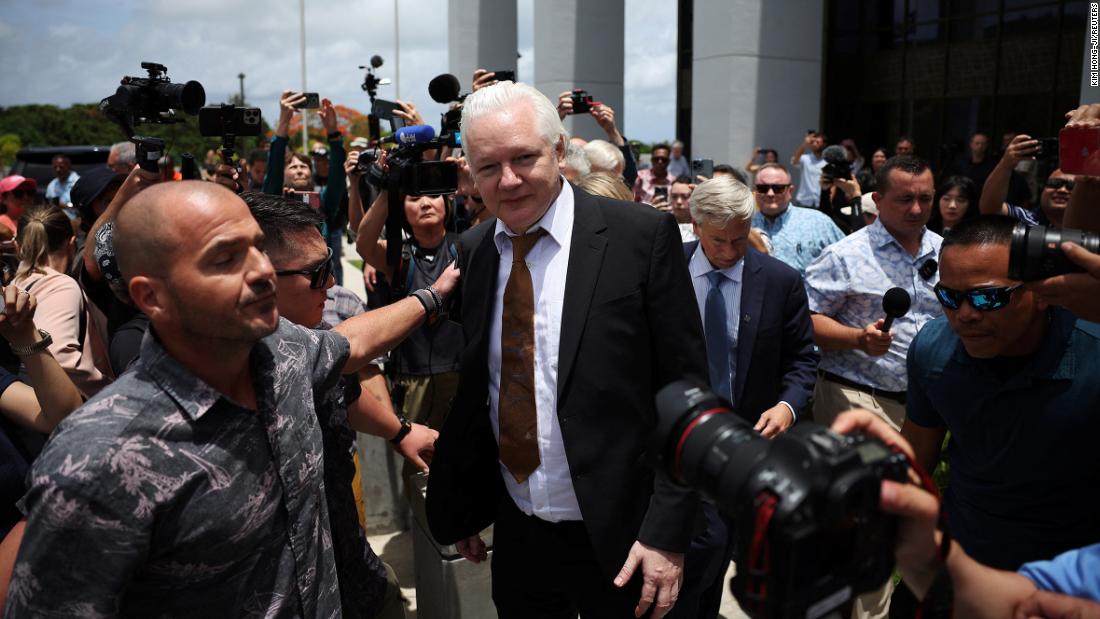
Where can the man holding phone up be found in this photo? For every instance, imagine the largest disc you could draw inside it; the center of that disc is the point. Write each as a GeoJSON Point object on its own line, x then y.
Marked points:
{"type": "Point", "coordinates": [293, 173]}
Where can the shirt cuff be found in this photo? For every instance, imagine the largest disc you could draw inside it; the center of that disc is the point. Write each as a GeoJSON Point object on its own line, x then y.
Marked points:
{"type": "Point", "coordinates": [794, 417]}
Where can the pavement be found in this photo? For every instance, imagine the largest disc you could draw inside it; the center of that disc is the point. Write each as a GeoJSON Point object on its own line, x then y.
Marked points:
{"type": "Point", "coordinates": [396, 548]}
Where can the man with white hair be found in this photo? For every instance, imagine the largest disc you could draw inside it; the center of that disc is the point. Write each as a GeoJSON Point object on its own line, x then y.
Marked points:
{"type": "Point", "coordinates": [122, 157]}
{"type": "Point", "coordinates": [605, 157]}
{"type": "Point", "coordinates": [742, 293]}
{"type": "Point", "coordinates": [575, 164]}
{"type": "Point", "coordinates": [576, 309]}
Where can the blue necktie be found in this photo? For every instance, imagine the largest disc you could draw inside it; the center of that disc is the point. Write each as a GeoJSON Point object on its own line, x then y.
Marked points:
{"type": "Point", "coordinates": [714, 329]}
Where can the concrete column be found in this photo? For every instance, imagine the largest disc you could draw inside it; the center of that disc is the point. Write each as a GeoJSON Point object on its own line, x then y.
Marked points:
{"type": "Point", "coordinates": [580, 49]}
{"type": "Point", "coordinates": [756, 77]}
{"type": "Point", "coordinates": [1090, 77]}
{"type": "Point", "coordinates": [481, 35]}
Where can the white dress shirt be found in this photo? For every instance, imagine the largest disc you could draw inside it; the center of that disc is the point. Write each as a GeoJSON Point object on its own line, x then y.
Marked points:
{"type": "Point", "coordinates": [548, 492]}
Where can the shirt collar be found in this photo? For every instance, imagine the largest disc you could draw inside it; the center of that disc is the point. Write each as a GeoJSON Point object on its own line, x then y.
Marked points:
{"type": "Point", "coordinates": [779, 219]}
{"type": "Point", "coordinates": [881, 237]}
{"type": "Point", "coordinates": [557, 221]}
{"type": "Point", "coordinates": [699, 266]}
{"type": "Point", "coordinates": [189, 392]}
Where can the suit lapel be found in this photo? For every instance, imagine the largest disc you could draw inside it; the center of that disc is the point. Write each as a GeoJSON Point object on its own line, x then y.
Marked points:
{"type": "Point", "coordinates": [586, 254]}
{"type": "Point", "coordinates": [752, 300]}
{"type": "Point", "coordinates": [480, 277]}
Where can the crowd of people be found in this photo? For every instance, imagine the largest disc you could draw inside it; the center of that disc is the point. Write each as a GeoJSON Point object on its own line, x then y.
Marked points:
{"type": "Point", "coordinates": [182, 374]}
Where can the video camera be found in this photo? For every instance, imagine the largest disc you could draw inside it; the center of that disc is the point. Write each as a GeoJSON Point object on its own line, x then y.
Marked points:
{"type": "Point", "coordinates": [153, 99]}
{"type": "Point", "coordinates": [810, 532]}
{"type": "Point", "coordinates": [836, 163]}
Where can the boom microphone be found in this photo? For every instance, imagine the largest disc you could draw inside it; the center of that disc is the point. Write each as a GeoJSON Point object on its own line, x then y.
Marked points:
{"type": "Point", "coordinates": [409, 136]}
{"type": "Point", "coordinates": [835, 154]}
{"type": "Point", "coordinates": [444, 88]}
{"type": "Point", "coordinates": [895, 303]}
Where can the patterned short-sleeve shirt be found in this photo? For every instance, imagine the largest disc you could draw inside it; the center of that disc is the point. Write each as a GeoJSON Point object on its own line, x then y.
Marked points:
{"type": "Point", "coordinates": [161, 497]}
{"type": "Point", "coordinates": [798, 235]}
{"type": "Point", "coordinates": [847, 283]}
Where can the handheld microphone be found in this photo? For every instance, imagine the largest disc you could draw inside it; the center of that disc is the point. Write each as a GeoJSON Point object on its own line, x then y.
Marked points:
{"type": "Point", "coordinates": [410, 136]}
{"type": "Point", "coordinates": [895, 303]}
{"type": "Point", "coordinates": [444, 88]}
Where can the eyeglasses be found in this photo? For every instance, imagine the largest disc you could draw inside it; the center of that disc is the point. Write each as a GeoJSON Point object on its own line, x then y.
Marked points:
{"type": "Point", "coordinates": [318, 275]}
{"type": "Point", "coordinates": [659, 159]}
{"type": "Point", "coordinates": [981, 299]}
{"type": "Point", "coordinates": [1058, 183]}
{"type": "Point", "coordinates": [763, 188]}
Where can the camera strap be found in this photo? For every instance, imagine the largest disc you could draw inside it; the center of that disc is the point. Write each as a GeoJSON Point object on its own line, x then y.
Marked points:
{"type": "Point", "coordinates": [939, 600]}
{"type": "Point", "coordinates": [760, 553]}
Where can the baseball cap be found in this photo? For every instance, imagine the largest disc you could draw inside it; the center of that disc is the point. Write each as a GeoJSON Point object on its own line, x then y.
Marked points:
{"type": "Point", "coordinates": [90, 186]}
{"type": "Point", "coordinates": [360, 142]}
{"type": "Point", "coordinates": [15, 181]}
{"type": "Point", "coordinates": [868, 204]}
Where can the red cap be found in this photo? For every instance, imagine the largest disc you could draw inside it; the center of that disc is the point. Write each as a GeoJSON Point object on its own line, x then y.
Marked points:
{"type": "Point", "coordinates": [15, 181]}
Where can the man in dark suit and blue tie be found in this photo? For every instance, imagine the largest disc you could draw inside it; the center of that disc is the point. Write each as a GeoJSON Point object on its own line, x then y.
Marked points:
{"type": "Point", "coordinates": [576, 310]}
{"type": "Point", "coordinates": [760, 350]}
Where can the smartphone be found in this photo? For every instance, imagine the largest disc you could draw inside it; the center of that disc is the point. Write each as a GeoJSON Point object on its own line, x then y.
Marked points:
{"type": "Point", "coordinates": [312, 198]}
{"type": "Point", "coordinates": [660, 192]}
{"type": "Point", "coordinates": [1079, 151]}
{"type": "Point", "coordinates": [218, 120]}
{"type": "Point", "coordinates": [383, 110]}
{"type": "Point", "coordinates": [504, 76]}
{"type": "Point", "coordinates": [312, 102]}
{"type": "Point", "coordinates": [702, 167]}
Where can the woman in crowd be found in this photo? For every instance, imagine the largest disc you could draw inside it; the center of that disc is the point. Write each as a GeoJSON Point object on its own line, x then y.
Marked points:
{"type": "Point", "coordinates": [956, 200]}
{"type": "Point", "coordinates": [866, 176]}
{"type": "Point", "coordinates": [46, 247]}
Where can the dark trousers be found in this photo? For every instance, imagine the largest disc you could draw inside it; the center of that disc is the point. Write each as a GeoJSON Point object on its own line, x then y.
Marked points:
{"type": "Point", "coordinates": [548, 570]}
{"type": "Point", "coordinates": [705, 569]}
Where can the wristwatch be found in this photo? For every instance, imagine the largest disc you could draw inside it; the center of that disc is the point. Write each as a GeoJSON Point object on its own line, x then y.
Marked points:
{"type": "Point", "coordinates": [406, 427]}
{"type": "Point", "coordinates": [37, 347]}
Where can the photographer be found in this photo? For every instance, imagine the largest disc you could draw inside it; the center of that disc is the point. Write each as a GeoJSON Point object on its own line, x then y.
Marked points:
{"type": "Point", "coordinates": [1053, 199]}
{"type": "Point", "coordinates": [293, 173]}
{"type": "Point", "coordinates": [605, 118]}
{"type": "Point", "coordinates": [1042, 588]}
{"type": "Point", "coordinates": [426, 363]}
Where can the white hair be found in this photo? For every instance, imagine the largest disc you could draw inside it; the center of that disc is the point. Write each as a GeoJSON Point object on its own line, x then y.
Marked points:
{"type": "Point", "coordinates": [576, 159]}
{"type": "Point", "coordinates": [721, 200]}
{"type": "Point", "coordinates": [605, 157]}
{"type": "Point", "coordinates": [502, 95]}
{"type": "Point", "coordinates": [126, 151]}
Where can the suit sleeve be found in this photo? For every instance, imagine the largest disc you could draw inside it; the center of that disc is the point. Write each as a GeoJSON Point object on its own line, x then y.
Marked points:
{"type": "Point", "coordinates": [678, 352]}
{"type": "Point", "coordinates": [798, 357]}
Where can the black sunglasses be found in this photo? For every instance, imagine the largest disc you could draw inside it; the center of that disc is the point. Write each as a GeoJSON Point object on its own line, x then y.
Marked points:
{"type": "Point", "coordinates": [1058, 183]}
{"type": "Point", "coordinates": [318, 275]}
{"type": "Point", "coordinates": [665, 159]}
{"type": "Point", "coordinates": [763, 188]}
{"type": "Point", "coordinates": [982, 299]}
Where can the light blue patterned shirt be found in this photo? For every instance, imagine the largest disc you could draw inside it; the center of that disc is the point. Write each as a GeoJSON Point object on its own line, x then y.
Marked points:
{"type": "Point", "coordinates": [847, 282]}
{"type": "Point", "coordinates": [798, 235]}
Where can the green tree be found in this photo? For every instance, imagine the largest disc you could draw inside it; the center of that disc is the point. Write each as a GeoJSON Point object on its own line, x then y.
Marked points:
{"type": "Point", "coordinates": [9, 145]}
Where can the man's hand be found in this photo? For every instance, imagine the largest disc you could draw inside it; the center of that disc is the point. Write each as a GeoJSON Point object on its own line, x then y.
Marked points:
{"type": "Point", "coordinates": [565, 104]}
{"type": "Point", "coordinates": [1087, 116]}
{"type": "Point", "coordinates": [288, 107]}
{"type": "Point", "coordinates": [660, 203]}
{"type": "Point", "coordinates": [408, 112]}
{"type": "Point", "coordinates": [916, 545]}
{"type": "Point", "coordinates": [850, 187]}
{"type": "Point", "coordinates": [472, 549]}
{"type": "Point", "coordinates": [328, 117]}
{"type": "Point", "coordinates": [774, 421]}
{"type": "Point", "coordinates": [662, 573]}
{"type": "Point", "coordinates": [1021, 147]}
{"type": "Point", "coordinates": [482, 78]}
{"type": "Point", "coordinates": [446, 283]}
{"type": "Point", "coordinates": [17, 319]}
{"type": "Point", "coordinates": [605, 118]}
{"type": "Point", "coordinates": [873, 340]}
{"type": "Point", "coordinates": [420, 440]}
{"type": "Point", "coordinates": [227, 176]}
{"type": "Point", "coordinates": [370, 276]}
{"type": "Point", "coordinates": [1047, 605]}
{"type": "Point", "coordinates": [1077, 292]}
{"type": "Point", "coordinates": [351, 165]}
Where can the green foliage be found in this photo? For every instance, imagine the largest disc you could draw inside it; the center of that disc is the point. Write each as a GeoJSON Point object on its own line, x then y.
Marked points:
{"type": "Point", "coordinates": [49, 125]}
{"type": "Point", "coordinates": [9, 145]}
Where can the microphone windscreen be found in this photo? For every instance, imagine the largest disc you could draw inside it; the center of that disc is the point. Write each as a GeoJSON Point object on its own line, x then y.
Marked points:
{"type": "Point", "coordinates": [896, 302]}
{"type": "Point", "coordinates": [835, 154]}
{"type": "Point", "coordinates": [444, 88]}
{"type": "Point", "coordinates": [416, 134]}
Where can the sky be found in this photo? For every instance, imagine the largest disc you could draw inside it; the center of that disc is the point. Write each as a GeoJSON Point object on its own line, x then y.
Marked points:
{"type": "Point", "coordinates": [69, 51]}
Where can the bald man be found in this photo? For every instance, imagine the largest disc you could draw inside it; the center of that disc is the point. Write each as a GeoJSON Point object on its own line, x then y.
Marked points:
{"type": "Point", "coordinates": [193, 484]}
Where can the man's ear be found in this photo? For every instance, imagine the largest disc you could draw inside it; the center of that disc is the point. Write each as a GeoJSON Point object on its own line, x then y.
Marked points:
{"type": "Point", "coordinates": [149, 295]}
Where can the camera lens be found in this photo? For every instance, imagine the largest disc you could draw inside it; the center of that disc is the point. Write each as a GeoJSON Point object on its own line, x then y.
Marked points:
{"type": "Point", "coordinates": [188, 96]}
{"type": "Point", "coordinates": [1036, 252]}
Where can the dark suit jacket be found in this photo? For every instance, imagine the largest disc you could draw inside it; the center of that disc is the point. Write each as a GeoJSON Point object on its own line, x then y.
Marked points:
{"type": "Point", "coordinates": [775, 338]}
{"type": "Point", "coordinates": [629, 327]}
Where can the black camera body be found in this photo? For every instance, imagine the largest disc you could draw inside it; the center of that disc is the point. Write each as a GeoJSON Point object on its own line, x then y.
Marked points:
{"type": "Point", "coordinates": [582, 101]}
{"type": "Point", "coordinates": [153, 99]}
{"type": "Point", "coordinates": [1036, 251]}
{"type": "Point", "coordinates": [408, 173]}
{"type": "Point", "coordinates": [810, 532]}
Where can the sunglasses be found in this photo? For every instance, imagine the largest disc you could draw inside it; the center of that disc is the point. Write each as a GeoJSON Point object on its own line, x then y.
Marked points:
{"type": "Point", "coordinates": [762, 188]}
{"type": "Point", "coordinates": [1058, 183]}
{"type": "Point", "coordinates": [982, 299]}
{"type": "Point", "coordinates": [663, 159]}
{"type": "Point", "coordinates": [318, 275]}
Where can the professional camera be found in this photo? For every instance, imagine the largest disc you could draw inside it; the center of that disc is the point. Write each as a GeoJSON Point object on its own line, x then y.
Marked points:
{"type": "Point", "coordinates": [153, 99]}
{"type": "Point", "coordinates": [408, 173]}
{"type": "Point", "coordinates": [1036, 251]}
{"type": "Point", "coordinates": [836, 163]}
{"type": "Point", "coordinates": [810, 533]}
